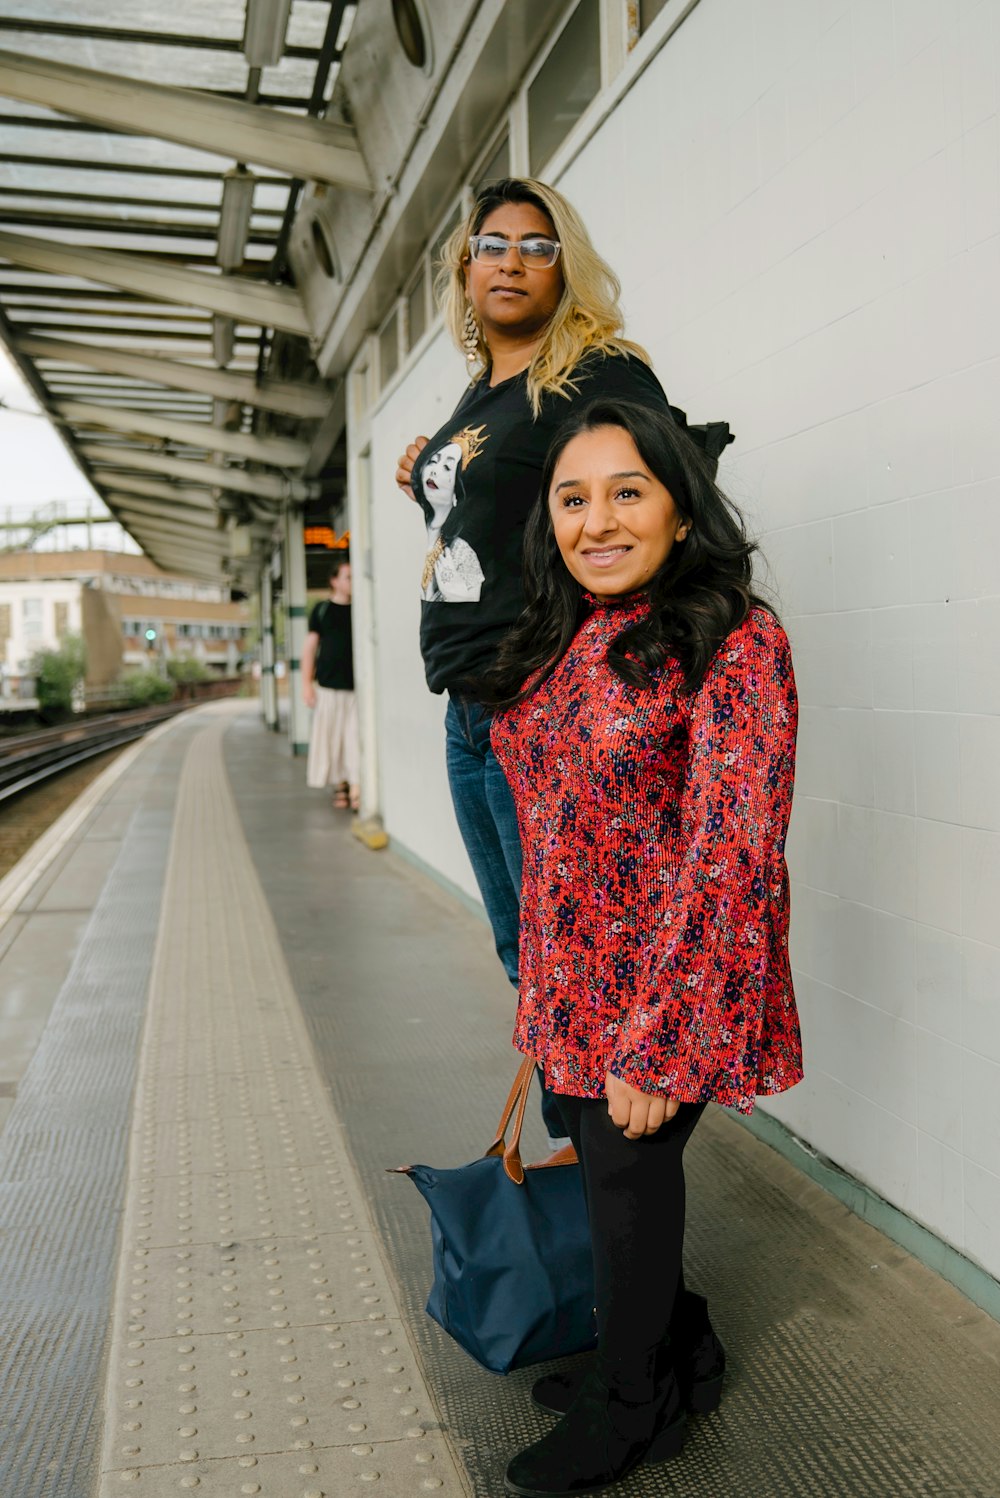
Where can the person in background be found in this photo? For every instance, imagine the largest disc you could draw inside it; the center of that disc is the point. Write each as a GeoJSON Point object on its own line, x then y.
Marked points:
{"type": "Point", "coordinates": [328, 687]}
{"type": "Point", "coordinates": [535, 310]}
{"type": "Point", "coordinates": [645, 716]}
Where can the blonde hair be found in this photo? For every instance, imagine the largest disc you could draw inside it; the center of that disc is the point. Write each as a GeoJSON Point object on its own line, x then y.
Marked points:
{"type": "Point", "coordinates": [588, 315]}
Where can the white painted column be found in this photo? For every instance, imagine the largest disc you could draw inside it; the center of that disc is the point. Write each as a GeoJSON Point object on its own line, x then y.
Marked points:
{"type": "Point", "coordinates": [364, 622]}
{"type": "Point", "coordinates": [294, 579]}
{"type": "Point", "coordinates": [268, 692]}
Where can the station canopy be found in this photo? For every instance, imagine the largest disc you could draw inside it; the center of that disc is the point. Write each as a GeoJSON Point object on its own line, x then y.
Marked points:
{"type": "Point", "coordinates": [144, 289]}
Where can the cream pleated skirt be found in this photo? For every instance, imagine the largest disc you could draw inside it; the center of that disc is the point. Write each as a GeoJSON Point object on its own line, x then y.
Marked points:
{"type": "Point", "coordinates": [334, 755]}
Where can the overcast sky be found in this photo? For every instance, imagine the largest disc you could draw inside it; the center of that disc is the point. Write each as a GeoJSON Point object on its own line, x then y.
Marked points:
{"type": "Point", "coordinates": [34, 465]}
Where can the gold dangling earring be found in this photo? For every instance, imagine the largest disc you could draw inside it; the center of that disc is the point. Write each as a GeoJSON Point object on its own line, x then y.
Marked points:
{"type": "Point", "coordinates": [470, 335]}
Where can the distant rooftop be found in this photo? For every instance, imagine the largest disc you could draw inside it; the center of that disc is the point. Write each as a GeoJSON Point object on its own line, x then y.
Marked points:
{"type": "Point", "coordinates": [20, 565]}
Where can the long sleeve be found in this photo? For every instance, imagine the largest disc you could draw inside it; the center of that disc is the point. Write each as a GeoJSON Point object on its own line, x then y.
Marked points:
{"type": "Point", "coordinates": [718, 963]}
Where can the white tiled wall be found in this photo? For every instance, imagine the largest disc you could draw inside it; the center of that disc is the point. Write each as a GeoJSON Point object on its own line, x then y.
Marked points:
{"type": "Point", "coordinates": [802, 198]}
{"type": "Point", "coordinates": [826, 274]}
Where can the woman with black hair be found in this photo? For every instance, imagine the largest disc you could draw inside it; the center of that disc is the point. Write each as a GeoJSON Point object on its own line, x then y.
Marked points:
{"type": "Point", "coordinates": [645, 719]}
{"type": "Point", "coordinates": [535, 310]}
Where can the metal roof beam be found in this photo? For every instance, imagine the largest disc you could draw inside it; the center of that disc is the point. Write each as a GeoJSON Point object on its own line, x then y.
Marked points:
{"type": "Point", "coordinates": [163, 281]}
{"type": "Point", "coordinates": [94, 223]}
{"type": "Point", "coordinates": [30, 26]}
{"type": "Point", "coordinates": [201, 517]}
{"type": "Point", "coordinates": [191, 553]}
{"type": "Point", "coordinates": [181, 555]}
{"type": "Point", "coordinates": [265, 485]}
{"type": "Point", "coordinates": [173, 556]}
{"type": "Point", "coordinates": [304, 401]}
{"type": "Point", "coordinates": [175, 494]}
{"type": "Point", "coordinates": [278, 452]}
{"type": "Point", "coordinates": [201, 542]}
{"type": "Point", "coordinates": [78, 195]}
{"type": "Point", "coordinates": [141, 169]}
{"type": "Point", "coordinates": [37, 122]}
{"type": "Point", "coordinates": [307, 148]}
{"type": "Point", "coordinates": [219, 573]}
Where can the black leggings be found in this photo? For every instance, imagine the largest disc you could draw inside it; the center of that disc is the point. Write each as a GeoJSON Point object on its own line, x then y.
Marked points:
{"type": "Point", "coordinates": [635, 1203]}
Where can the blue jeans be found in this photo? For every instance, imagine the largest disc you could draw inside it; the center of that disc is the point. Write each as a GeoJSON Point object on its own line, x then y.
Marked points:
{"type": "Point", "coordinates": [484, 808]}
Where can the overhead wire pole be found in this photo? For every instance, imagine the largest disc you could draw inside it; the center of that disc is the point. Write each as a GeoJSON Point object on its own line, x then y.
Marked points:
{"type": "Point", "coordinates": [268, 691]}
{"type": "Point", "coordinates": [293, 573]}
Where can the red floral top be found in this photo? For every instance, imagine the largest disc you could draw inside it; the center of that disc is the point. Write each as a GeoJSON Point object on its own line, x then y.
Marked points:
{"type": "Point", "coordinates": [654, 903]}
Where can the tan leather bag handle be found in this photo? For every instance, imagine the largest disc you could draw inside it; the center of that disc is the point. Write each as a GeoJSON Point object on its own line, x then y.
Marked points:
{"type": "Point", "coordinates": [514, 1107]}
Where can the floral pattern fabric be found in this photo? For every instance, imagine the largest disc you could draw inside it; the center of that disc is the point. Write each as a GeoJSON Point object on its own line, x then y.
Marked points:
{"type": "Point", "coordinates": [654, 903]}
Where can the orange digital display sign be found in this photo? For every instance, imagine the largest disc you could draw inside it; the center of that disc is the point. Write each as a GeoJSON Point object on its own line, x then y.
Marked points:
{"type": "Point", "coordinates": [326, 537]}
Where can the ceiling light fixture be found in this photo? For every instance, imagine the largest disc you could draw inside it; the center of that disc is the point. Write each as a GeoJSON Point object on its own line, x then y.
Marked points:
{"type": "Point", "coordinates": [264, 31]}
{"type": "Point", "coordinates": [234, 216]}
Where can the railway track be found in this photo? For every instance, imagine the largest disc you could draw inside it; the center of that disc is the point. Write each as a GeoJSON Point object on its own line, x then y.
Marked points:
{"type": "Point", "coordinates": [31, 758]}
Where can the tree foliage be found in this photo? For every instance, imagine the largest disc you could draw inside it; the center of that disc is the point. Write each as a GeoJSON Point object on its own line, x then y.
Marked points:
{"type": "Point", "coordinates": [58, 674]}
{"type": "Point", "coordinates": [184, 669]}
{"type": "Point", "coordinates": [145, 687]}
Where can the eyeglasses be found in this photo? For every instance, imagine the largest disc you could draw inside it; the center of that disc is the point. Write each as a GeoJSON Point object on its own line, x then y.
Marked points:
{"type": "Point", "coordinates": [538, 253]}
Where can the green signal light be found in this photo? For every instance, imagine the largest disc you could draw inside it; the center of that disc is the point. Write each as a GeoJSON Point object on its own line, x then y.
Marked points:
{"type": "Point", "coordinates": [151, 635]}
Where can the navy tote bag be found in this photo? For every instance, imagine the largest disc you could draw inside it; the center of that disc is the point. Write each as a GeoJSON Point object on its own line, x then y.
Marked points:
{"type": "Point", "coordinates": [513, 1277]}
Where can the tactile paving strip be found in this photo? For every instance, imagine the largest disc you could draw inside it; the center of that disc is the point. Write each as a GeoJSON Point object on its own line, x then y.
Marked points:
{"type": "Point", "coordinates": [257, 1345]}
{"type": "Point", "coordinates": [63, 1153]}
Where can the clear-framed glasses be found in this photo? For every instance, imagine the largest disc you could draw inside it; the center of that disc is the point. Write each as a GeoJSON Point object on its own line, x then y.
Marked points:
{"type": "Point", "coordinates": [535, 251]}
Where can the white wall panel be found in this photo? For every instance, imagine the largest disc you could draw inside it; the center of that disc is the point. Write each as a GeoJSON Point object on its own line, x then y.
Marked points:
{"type": "Point", "coordinates": [803, 201]}
{"type": "Point", "coordinates": [820, 264]}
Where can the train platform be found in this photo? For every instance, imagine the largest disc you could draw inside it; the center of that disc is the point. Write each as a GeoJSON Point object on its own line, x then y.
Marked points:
{"type": "Point", "coordinates": [221, 1019]}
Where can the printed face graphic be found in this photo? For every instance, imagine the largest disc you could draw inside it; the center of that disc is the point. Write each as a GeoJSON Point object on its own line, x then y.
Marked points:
{"type": "Point", "coordinates": [438, 479]}
{"type": "Point", "coordinates": [452, 573]}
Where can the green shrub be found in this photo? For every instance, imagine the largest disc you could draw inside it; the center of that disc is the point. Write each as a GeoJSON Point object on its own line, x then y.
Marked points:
{"type": "Point", "coordinates": [184, 669]}
{"type": "Point", "coordinates": [145, 687]}
{"type": "Point", "coordinates": [58, 673]}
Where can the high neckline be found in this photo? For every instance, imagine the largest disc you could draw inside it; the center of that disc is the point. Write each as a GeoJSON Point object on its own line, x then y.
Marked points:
{"type": "Point", "coordinates": [618, 601]}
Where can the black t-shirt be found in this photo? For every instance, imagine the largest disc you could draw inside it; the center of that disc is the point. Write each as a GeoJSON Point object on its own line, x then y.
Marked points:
{"type": "Point", "coordinates": [334, 658]}
{"type": "Point", "coordinates": [476, 481]}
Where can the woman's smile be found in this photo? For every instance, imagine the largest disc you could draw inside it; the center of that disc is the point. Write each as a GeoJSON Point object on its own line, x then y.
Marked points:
{"type": "Point", "coordinates": [614, 522]}
{"type": "Point", "coordinates": [605, 556]}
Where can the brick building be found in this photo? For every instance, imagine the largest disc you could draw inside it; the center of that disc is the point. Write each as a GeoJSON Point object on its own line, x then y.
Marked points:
{"type": "Point", "coordinates": [112, 599]}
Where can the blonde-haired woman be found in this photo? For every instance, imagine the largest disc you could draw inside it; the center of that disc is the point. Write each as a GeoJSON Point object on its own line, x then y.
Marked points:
{"type": "Point", "coordinates": [535, 310]}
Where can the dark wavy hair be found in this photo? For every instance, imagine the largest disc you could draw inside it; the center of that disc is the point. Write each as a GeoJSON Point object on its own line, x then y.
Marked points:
{"type": "Point", "coordinates": [702, 592]}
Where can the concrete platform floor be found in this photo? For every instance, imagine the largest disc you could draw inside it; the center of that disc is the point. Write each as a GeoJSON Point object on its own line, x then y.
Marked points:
{"type": "Point", "coordinates": [249, 1016]}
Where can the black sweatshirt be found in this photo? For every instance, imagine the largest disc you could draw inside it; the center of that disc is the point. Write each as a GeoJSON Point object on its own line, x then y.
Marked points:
{"type": "Point", "coordinates": [476, 481]}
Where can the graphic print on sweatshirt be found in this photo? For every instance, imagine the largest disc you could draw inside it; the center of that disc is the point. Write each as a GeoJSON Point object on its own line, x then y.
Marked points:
{"type": "Point", "coordinates": [452, 571]}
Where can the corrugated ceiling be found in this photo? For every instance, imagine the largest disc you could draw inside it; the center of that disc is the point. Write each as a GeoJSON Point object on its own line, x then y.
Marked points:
{"type": "Point", "coordinates": [79, 183]}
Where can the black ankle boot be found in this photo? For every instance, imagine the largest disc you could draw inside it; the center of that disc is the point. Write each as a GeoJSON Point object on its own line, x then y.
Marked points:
{"type": "Point", "coordinates": [699, 1360]}
{"type": "Point", "coordinates": [699, 1356]}
{"type": "Point", "coordinates": [607, 1431]}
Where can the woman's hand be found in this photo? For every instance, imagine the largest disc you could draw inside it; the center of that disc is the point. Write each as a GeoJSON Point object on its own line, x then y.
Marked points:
{"type": "Point", "coordinates": [309, 693]}
{"type": "Point", "coordinates": [636, 1112]}
{"type": "Point", "coordinates": [406, 462]}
